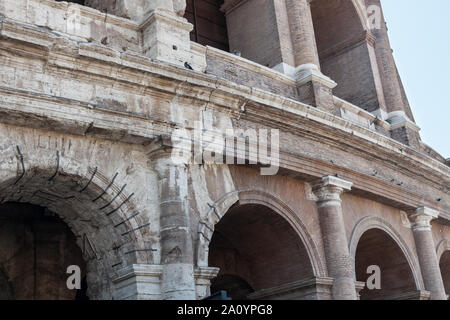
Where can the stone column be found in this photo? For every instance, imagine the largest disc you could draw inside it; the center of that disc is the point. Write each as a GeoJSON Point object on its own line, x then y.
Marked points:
{"type": "Point", "coordinates": [302, 34]}
{"type": "Point", "coordinates": [314, 87]}
{"type": "Point", "coordinates": [339, 262]}
{"type": "Point", "coordinates": [426, 252]}
{"type": "Point", "coordinates": [386, 64]}
{"type": "Point", "coordinates": [403, 127]}
{"type": "Point", "coordinates": [177, 254]}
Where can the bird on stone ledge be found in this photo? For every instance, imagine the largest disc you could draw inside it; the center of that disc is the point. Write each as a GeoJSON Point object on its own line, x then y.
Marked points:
{"type": "Point", "coordinates": [188, 66]}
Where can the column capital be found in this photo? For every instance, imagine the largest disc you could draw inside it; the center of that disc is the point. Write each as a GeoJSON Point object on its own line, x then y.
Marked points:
{"type": "Point", "coordinates": [330, 188]}
{"type": "Point", "coordinates": [421, 219]}
{"type": "Point", "coordinates": [174, 150]}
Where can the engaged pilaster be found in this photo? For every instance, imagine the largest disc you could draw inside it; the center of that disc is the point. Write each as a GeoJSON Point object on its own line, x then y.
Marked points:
{"type": "Point", "coordinates": [426, 252]}
{"type": "Point", "coordinates": [339, 263]}
{"type": "Point", "coordinates": [386, 65]}
{"type": "Point", "coordinates": [166, 33]}
{"type": "Point", "coordinates": [398, 113]}
{"type": "Point", "coordinates": [177, 258]}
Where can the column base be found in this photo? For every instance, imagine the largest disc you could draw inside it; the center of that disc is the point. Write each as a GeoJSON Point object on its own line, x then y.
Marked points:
{"type": "Point", "coordinates": [316, 288]}
{"type": "Point", "coordinates": [359, 285]}
{"type": "Point", "coordinates": [410, 295]}
{"type": "Point", "coordinates": [403, 129]}
{"type": "Point", "coordinates": [138, 282]}
{"type": "Point", "coordinates": [178, 282]}
{"type": "Point", "coordinates": [203, 277]}
{"type": "Point", "coordinates": [315, 88]}
{"type": "Point", "coordinates": [166, 37]}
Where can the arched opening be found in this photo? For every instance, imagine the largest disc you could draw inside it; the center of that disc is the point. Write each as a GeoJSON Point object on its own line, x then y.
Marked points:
{"type": "Point", "coordinates": [377, 248]}
{"type": "Point", "coordinates": [257, 251]}
{"type": "Point", "coordinates": [105, 223]}
{"type": "Point", "coordinates": [36, 248]}
{"type": "Point", "coordinates": [210, 26]}
{"type": "Point", "coordinates": [444, 265]}
{"type": "Point", "coordinates": [346, 52]}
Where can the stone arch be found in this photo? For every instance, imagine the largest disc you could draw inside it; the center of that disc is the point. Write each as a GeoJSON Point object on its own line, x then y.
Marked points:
{"type": "Point", "coordinates": [376, 223]}
{"type": "Point", "coordinates": [97, 207]}
{"type": "Point", "coordinates": [443, 255]}
{"type": "Point", "coordinates": [226, 201]}
{"type": "Point", "coordinates": [345, 46]}
{"type": "Point", "coordinates": [442, 247]}
{"type": "Point", "coordinates": [361, 11]}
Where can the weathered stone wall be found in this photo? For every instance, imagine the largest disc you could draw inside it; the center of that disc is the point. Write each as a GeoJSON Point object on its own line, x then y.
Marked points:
{"type": "Point", "coordinates": [86, 115]}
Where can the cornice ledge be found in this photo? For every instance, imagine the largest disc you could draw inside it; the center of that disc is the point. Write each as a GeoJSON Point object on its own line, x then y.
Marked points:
{"type": "Point", "coordinates": [228, 89]}
{"type": "Point", "coordinates": [249, 65]}
{"type": "Point", "coordinates": [137, 270]}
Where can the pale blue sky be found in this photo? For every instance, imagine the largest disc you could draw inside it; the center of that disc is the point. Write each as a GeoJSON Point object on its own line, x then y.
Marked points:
{"type": "Point", "coordinates": [419, 31]}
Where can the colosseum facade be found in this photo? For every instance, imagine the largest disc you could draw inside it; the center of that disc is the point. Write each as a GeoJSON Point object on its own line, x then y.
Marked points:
{"type": "Point", "coordinates": [174, 149]}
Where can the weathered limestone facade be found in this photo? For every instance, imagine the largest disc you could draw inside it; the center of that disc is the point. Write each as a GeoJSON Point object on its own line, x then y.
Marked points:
{"type": "Point", "coordinates": [96, 97]}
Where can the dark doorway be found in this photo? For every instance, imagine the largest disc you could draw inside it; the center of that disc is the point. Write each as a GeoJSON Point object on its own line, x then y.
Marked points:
{"type": "Point", "coordinates": [444, 265]}
{"type": "Point", "coordinates": [377, 248]}
{"type": "Point", "coordinates": [236, 287]}
{"type": "Point", "coordinates": [255, 249]}
{"type": "Point", "coordinates": [36, 248]}
{"type": "Point", "coordinates": [210, 27]}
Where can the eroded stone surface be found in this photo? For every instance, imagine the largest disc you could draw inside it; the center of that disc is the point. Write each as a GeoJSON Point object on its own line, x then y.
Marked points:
{"type": "Point", "coordinates": [89, 98]}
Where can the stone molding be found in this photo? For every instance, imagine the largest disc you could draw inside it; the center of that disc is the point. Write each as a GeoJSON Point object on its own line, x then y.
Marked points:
{"type": "Point", "coordinates": [421, 219]}
{"type": "Point", "coordinates": [224, 91]}
{"type": "Point", "coordinates": [359, 285]}
{"type": "Point", "coordinates": [310, 73]}
{"type": "Point", "coordinates": [328, 190]}
{"type": "Point", "coordinates": [203, 277]}
{"type": "Point", "coordinates": [315, 288]}
{"type": "Point", "coordinates": [398, 119]}
{"type": "Point", "coordinates": [138, 282]}
{"type": "Point", "coordinates": [411, 295]}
